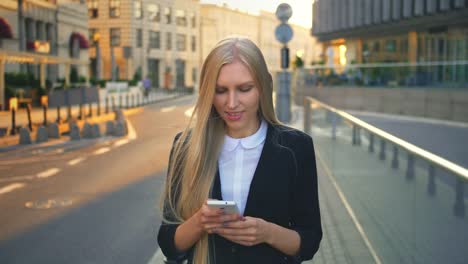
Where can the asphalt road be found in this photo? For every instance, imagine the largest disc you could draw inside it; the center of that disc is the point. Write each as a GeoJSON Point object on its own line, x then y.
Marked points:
{"type": "Point", "coordinates": [92, 201]}
{"type": "Point", "coordinates": [445, 140]}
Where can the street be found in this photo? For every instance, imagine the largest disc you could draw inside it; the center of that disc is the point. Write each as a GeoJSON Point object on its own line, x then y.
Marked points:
{"type": "Point", "coordinates": [92, 201]}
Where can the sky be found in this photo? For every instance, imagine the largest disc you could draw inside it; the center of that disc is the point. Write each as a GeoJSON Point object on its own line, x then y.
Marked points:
{"type": "Point", "coordinates": [302, 9]}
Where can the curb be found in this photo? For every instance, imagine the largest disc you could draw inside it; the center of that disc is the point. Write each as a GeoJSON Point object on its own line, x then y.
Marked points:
{"type": "Point", "coordinates": [9, 141]}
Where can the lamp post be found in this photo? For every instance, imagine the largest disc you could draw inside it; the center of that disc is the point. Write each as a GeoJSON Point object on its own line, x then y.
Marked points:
{"type": "Point", "coordinates": [283, 34]}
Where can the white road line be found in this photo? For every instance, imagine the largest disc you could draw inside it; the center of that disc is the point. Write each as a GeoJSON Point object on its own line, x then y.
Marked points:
{"type": "Point", "coordinates": [189, 112]}
{"type": "Point", "coordinates": [132, 135]}
{"type": "Point", "coordinates": [48, 173]}
{"type": "Point", "coordinates": [75, 161]}
{"type": "Point", "coordinates": [121, 142]}
{"type": "Point", "coordinates": [101, 151]}
{"type": "Point", "coordinates": [349, 209]}
{"type": "Point", "coordinates": [11, 187]}
{"type": "Point", "coordinates": [18, 178]}
{"type": "Point", "coordinates": [167, 109]}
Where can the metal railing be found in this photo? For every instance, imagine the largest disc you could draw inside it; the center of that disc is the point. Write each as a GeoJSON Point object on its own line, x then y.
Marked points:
{"type": "Point", "coordinates": [413, 152]}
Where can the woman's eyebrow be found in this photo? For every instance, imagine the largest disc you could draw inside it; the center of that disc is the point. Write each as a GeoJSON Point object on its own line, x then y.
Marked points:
{"type": "Point", "coordinates": [239, 85]}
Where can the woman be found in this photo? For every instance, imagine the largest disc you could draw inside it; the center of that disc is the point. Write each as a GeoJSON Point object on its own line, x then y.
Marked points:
{"type": "Point", "coordinates": [236, 149]}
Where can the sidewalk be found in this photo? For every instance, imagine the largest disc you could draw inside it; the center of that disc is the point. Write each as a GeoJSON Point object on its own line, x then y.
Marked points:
{"type": "Point", "coordinates": [37, 116]}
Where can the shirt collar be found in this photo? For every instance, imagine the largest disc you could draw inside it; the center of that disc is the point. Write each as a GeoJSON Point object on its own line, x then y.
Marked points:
{"type": "Point", "coordinates": [249, 142]}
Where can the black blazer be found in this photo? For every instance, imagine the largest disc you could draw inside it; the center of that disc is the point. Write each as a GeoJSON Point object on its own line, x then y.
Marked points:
{"type": "Point", "coordinates": [283, 191]}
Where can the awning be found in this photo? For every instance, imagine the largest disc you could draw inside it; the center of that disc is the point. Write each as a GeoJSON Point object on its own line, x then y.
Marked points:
{"type": "Point", "coordinates": [83, 42]}
{"type": "Point", "coordinates": [5, 29]}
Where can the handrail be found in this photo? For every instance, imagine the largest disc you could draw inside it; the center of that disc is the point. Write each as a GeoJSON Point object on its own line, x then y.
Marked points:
{"type": "Point", "coordinates": [432, 158]}
{"type": "Point", "coordinates": [389, 64]}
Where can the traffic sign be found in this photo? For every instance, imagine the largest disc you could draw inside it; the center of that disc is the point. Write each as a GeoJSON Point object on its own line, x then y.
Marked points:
{"type": "Point", "coordinates": [283, 33]}
{"type": "Point", "coordinates": [283, 12]}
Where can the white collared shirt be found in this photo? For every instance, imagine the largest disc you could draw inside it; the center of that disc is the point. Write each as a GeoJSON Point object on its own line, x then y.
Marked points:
{"type": "Point", "coordinates": [237, 164]}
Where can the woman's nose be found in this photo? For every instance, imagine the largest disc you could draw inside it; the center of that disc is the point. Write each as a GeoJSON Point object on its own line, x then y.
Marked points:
{"type": "Point", "coordinates": [232, 100]}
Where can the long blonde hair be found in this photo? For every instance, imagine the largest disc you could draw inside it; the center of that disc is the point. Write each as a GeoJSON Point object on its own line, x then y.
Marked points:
{"type": "Point", "coordinates": [194, 157]}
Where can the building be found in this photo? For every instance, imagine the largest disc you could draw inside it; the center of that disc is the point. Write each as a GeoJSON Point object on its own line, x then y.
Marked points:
{"type": "Point", "coordinates": [392, 30]}
{"type": "Point", "coordinates": [154, 38]}
{"type": "Point", "coordinates": [56, 27]}
{"type": "Point", "coordinates": [218, 22]}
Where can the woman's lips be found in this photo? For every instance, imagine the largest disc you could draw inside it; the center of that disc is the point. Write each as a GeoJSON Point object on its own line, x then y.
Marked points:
{"type": "Point", "coordinates": [233, 116]}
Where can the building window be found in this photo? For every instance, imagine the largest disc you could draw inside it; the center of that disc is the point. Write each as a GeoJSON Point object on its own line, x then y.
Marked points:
{"type": "Point", "coordinates": [139, 38]}
{"type": "Point", "coordinates": [193, 20]}
{"type": "Point", "coordinates": [114, 8]}
{"type": "Point", "coordinates": [404, 45]}
{"type": "Point", "coordinates": [390, 45]}
{"type": "Point", "coordinates": [168, 40]}
{"type": "Point", "coordinates": [154, 14]}
{"type": "Point", "coordinates": [180, 42]}
{"type": "Point", "coordinates": [154, 40]}
{"type": "Point", "coordinates": [115, 37]}
{"type": "Point", "coordinates": [168, 15]}
{"type": "Point", "coordinates": [93, 8]}
{"type": "Point", "coordinates": [138, 10]}
{"type": "Point", "coordinates": [194, 43]}
{"type": "Point", "coordinates": [181, 18]}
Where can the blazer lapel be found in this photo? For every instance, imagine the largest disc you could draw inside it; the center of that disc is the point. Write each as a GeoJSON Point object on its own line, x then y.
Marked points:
{"type": "Point", "coordinates": [262, 172]}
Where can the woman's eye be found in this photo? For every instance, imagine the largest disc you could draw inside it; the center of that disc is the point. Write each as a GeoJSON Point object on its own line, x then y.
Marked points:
{"type": "Point", "coordinates": [246, 89]}
{"type": "Point", "coordinates": [220, 91]}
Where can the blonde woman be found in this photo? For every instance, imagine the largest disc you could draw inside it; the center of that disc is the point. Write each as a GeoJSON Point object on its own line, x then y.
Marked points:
{"type": "Point", "coordinates": [235, 149]}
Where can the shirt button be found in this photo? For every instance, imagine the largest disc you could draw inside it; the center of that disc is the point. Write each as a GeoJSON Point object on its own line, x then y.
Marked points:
{"type": "Point", "coordinates": [233, 249]}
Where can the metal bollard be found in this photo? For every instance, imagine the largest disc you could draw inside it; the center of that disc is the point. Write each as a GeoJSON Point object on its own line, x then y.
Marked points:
{"type": "Point", "coordinates": [354, 136]}
{"type": "Point", "coordinates": [371, 142]}
{"type": "Point", "coordinates": [113, 103]}
{"type": "Point", "coordinates": [126, 101]}
{"type": "Point", "coordinates": [58, 115]}
{"type": "Point", "coordinates": [13, 121]}
{"type": "Point", "coordinates": [459, 207]}
{"type": "Point", "coordinates": [334, 118]}
{"type": "Point", "coordinates": [410, 168]}
{"type": "Point", "coordinates": [99, 107]}
{"type": "Point", "coordinates": [28, 109]}
{"type": "Point", "coordinates": [69, 113]}
{"type": "Point", "coordinates": [44, 110]}
{"type": "Point", "coordinates": [431, 186]}
{"type": "Point", "coordinates": [120, 101]}
{"type": "Point", "coordinates": [395, 163]}
{"type": "Point", "coordinates": [307, 121]}
{"type": "Point", "coordinates": [382, 150]}
{"type": "Point", "coordinates": [90, 109]}
{"type": "Point", "coordinates": [80, 112]}
{"type": "Point", "coordinates": [107, 105]}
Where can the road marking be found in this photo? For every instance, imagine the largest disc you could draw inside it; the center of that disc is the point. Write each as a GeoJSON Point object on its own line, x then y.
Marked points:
{"type": "Point", "coordinates": [18, 178]}
{"type": "Point", "coordinates": [48, 173]}
{"type": "Point", "coordinates": [101, 151]}
{"type": "Point", "coordinates": [121, 142]}
{"type": "Point", "coordinates": [189, 111]}
{"type": "Point", "coordinates": [167, 109]}
{"type": "Point", "coordinates": [132, 135]}
{"type": "Point", "coordinates": [75, 161]}
{"type": "Point", "coordinates": [11, 187]}
{"type": "Point", "coordinates": [349, 209]}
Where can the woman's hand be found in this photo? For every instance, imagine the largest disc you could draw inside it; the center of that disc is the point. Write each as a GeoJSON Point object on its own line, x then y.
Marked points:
{"type": "Point", "coordinates": [210, 219]}
{"type": "Point", "coordinates": [248, 231]}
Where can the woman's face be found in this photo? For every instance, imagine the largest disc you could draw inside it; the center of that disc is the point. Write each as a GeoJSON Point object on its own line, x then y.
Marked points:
{"type": "Point", "coordinates": [236, 99]}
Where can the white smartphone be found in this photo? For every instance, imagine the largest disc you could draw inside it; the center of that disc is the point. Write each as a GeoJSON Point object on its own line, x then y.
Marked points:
{"type": "Point", "coordinates": [230, 207]}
